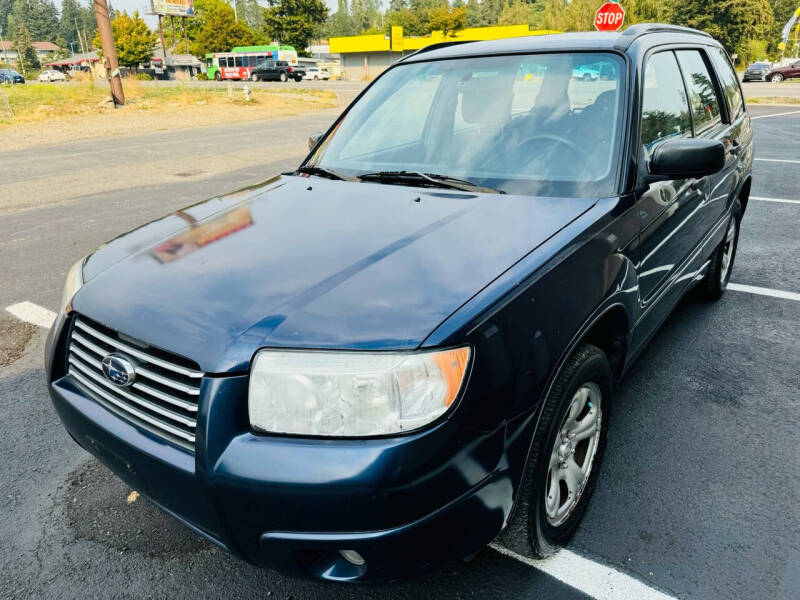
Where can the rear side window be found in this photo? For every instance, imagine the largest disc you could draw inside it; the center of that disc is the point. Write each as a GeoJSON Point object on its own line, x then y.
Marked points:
{"type": "Point", "coordinates": [239, 61]}
{"type": "Point", "coordinates": [665, 109]}
{"type": "Point", "coordinates": [730, 84]}
{"type": "Point", "coordinates": [705, 104]}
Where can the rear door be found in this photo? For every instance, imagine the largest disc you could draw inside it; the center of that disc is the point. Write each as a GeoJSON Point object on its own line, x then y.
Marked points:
{"type": "Point", "coordinates": [706, 104]}
{"type": "Point", "coordinates": [737, 135]}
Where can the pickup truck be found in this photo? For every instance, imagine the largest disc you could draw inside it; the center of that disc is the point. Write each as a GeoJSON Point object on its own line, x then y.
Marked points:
{"type": "Point", "coordinates": [277, 70]}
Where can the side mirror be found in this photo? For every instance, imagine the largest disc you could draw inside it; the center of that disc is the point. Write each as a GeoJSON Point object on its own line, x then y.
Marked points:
{"type": "Point", "coordinates": [314, 139]}
{"type": "Point", "coordinates": [687, 158]}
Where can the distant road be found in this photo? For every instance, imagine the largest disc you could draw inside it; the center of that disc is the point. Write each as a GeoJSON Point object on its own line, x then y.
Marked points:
{"type": "Point", "coordinates": [352, 88]}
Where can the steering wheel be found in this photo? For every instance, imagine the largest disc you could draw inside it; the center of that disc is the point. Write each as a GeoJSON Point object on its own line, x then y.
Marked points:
{"type": "Point", "coordinates": [556, 139]}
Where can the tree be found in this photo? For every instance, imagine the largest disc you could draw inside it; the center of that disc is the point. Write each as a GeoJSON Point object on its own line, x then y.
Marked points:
{"type": "Point", "coordinates": [295, 22]}
{"type": "Point", "coordinates": [733, 22]}
{"type": "Point", "coordinates": [26, 54]}
{"type": "Point", "coordinates": [133, 39]}
{"type": "Point", "coordinates": [220, 32]}
{"type": "Point", "coordinates": [63, 51]}
{"type": "Point", "coordinates": [71, 13]}
{"type": "Point", "coordinates": [406, 19]}
{"type": "Point", "coordinates": [516, 13]}
{"type": "Point", "coordinates": [339, 23]}
{"type": "Point", "coordinates": [447, 20]}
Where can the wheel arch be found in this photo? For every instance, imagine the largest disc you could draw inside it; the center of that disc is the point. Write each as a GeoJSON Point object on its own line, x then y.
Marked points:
{"type": "Point", "coordinates": [744, 193]}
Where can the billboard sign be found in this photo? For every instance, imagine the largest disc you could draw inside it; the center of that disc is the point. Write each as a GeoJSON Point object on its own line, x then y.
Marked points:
{"type": "Point", "coordinates": [175, 8]}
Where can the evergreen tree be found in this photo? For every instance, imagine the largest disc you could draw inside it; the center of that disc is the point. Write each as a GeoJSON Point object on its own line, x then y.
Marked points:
{"type": "Point", "coordinates": [734, 24]}
{"type": "Point", "coordinates": [26, 54]}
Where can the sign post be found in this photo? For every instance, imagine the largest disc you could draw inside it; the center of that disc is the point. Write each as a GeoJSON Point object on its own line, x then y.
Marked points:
{"type": "Point", "coordinates": [609, 17]}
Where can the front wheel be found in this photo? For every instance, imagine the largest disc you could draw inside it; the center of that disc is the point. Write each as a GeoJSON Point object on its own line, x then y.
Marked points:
{"type": "Point", "coordinates": [719, 271]}
{"type": "Point", "coordinates": [776, 78]}
{"type": "Point", "coordinates": [217, 76]}
{"type": "Point", "coordinates": [282, 77]}
{"type": "Point", "coordinates": [253, 77]}
{"type": "Point", "coordinates": [565, 455]}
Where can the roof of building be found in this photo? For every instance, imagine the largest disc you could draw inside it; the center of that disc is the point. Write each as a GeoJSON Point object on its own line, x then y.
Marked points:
{"type": "Point", "coordinates": [74, 59]}
{"type": "Point", "coordinates": [40, 46]}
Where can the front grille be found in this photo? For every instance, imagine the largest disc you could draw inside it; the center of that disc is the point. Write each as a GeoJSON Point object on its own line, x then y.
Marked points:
{"type": "Point", "coordinates": [163, 397]}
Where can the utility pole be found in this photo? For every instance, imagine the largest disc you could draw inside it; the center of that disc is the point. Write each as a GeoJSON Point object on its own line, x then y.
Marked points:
{"type": "Point", "coordinates": [109, 52]}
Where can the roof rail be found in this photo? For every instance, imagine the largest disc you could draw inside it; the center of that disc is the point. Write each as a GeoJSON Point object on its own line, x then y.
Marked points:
{"type": "Point", "coordinates": [435, 46]}
{"type": "Point", "coordinates": [634, 32]}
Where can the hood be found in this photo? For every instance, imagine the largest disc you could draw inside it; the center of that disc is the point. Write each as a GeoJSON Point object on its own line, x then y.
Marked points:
{"type": "Point", "coordinates": [304, 262]}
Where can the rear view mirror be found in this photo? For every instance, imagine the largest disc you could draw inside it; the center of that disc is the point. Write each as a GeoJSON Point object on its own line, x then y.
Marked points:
{"type": "Point", "coordinates": [314, 139]}
{"type": "Point", "coordinates": [686, 158]}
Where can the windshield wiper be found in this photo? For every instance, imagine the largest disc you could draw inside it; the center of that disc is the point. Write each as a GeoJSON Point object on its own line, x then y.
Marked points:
{"type": "Point", "coordinates": [323, 172]}
{"type": "Point", "coordinates": [427, 179]}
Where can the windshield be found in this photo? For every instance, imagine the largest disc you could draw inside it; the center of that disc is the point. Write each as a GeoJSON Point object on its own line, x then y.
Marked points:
{"type": "Point", "coordinates": [538, 124]}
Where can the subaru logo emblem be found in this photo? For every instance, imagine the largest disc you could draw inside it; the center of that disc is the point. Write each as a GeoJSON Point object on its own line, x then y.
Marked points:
{"type": "Point", "coordinates": [118, 370]}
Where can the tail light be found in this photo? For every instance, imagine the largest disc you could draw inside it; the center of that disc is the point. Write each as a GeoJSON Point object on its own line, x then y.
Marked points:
{"type": "Point", "coordinates": [291, 69]}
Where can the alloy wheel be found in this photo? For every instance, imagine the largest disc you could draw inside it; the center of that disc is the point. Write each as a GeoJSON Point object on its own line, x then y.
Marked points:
{"type": "Point", "coordinates": [573, 453]}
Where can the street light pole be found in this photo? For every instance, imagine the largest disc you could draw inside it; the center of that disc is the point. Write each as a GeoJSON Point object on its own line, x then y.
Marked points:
{"type": "Point", "coordinates": [109, 52]}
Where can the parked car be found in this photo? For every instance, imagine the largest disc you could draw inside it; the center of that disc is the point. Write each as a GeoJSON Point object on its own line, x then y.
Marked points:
{"type": "Point", "coordinates": [407, 347]}
{"type": "Point", "coordinates": [586, 73]}
{"type": "Point", "coordinates": [756, 72]}
{"type": "Point", "coordinates": [51, 75]}
{"type": "Point", "coordinates": [277, 70]}
{"type": "Point", "coordinates": [316, 73]}
{"type": "Point", "coordinates": [11, 76]}
{"type": "Point", "coordinates": [778, 74]}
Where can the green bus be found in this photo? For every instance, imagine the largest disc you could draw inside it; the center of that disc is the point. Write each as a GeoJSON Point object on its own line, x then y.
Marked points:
{"type": "Point", "coordinates": [239, 62]}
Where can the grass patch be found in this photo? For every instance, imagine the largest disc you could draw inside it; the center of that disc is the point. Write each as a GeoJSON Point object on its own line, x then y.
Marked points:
{"type": "Point", "coordinates": [45, 102]}
{"type": "Point", "coordinates": [774, 100]}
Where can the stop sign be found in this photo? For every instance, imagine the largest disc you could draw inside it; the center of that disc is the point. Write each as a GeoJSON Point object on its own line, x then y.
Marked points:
{"type": "Point", "coordinates": [609, 17]}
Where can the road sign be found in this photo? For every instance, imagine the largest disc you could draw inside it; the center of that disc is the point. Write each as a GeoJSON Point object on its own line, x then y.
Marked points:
{"type": "Point", "coordinates": [609, 17]}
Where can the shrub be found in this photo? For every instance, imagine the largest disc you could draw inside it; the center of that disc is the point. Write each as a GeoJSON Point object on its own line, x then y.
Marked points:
{"type": "Point", "coordinates": [143, 77]}
{"type": "Point", "coordinates": [202, 77]}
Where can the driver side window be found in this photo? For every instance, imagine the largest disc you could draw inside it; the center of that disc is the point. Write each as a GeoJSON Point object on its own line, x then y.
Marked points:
{"type": "Point", "coordinates": [665, 108]}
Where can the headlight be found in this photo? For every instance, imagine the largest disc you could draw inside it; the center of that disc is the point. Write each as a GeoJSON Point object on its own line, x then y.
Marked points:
{"type": "Point", "coordinates": [352, 393]}
{"type": "Point", "coordinates": [72, 285]}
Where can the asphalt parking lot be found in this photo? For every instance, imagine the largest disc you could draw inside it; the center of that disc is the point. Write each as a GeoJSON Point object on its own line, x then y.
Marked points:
{"type": "Point", "coordinates": [699, 495]}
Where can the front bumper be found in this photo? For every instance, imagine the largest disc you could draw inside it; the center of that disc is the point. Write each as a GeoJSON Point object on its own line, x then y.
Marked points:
{"type": "Point", "coordinates": [405, 503]}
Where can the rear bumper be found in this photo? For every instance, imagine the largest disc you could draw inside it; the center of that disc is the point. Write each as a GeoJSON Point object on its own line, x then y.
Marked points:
{"type": "Point", "coordinates": [405, 504]}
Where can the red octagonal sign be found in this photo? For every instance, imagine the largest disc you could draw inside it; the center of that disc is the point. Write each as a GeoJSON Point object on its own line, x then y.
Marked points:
{"type": "Point", "coordinates": [609, 17]}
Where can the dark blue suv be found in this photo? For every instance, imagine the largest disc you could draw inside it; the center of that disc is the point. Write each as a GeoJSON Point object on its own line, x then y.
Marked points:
{"type": "Point", "coordinates": [407, 347]}
{"type": "Point", "coordinates": [11, 76]}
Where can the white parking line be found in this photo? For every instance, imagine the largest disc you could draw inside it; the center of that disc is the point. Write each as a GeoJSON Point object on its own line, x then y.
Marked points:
{"type": "Point", "coordinates": [32, 313]}
{"type": "Point", "coordinates": [779, 160]}
{"type": "Point", "coordinates": [760, 291]}
{"type": "Point", "coordinates": [782, 200]}
{"type": "Point", "coordinates": [791, 112]}
{"type": "Point", "coordinates": [592, 578]}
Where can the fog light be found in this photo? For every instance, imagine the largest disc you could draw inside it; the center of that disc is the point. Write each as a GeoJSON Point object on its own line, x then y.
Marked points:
{"type": "Point", "coordinates": [353, 557]}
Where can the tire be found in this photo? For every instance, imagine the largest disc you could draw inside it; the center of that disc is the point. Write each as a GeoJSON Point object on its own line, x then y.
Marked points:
{"type": "Point", "coordinates": [587, 77]}
{"type": "Point", "coordinates": [282, 77]}
{"type": "Point", "coordinates": [253, 77]}
{"type": "Point", "coordinates": [217, 76]}
{"type": "Point", "coordinates": [716, 280]}
{"type": "Point", "coordinates": [316, 78]}
{"type": "Point", "coordinates": [546, 519]}
{"type": "Point", "coordinates": [776, 78]}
